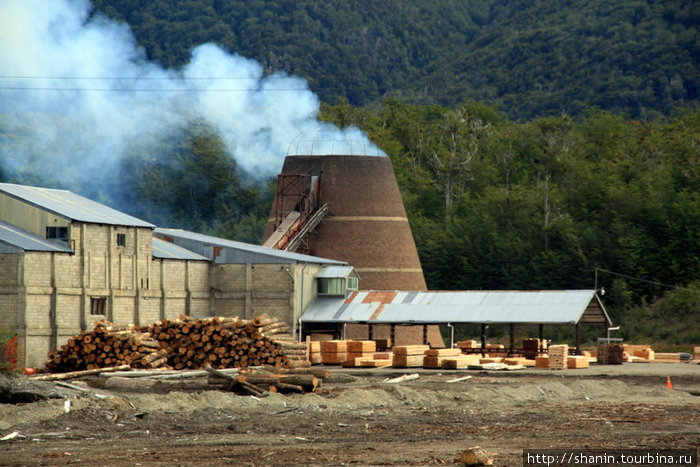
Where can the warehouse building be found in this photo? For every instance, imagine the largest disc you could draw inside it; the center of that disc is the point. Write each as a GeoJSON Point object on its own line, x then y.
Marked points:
{"type": "Point", "coordinates": [67, 261]}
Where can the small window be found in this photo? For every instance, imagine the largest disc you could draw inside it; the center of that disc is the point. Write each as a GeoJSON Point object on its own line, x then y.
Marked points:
{"type": "Point", "coordinates": [333, 286]}
{"type": "Point", "coordinates": [352, 283]}
{"type": "Point", "coordinates": [57, 233]}
{"type": "Point", "coordinates": [121, 239]}
{"type": "Point", "coordinates": [98, 305]}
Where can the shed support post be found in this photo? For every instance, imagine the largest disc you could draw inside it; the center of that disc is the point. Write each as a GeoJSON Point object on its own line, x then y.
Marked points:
{"type": "Point", "coordinates": [392, 333]}
{"type": "Point", "coordinates": [425, 334]}
{"type": "Point", "coordinates": [370, 331]}
{"type": "Point", "coordinates": [512, 340]}
{"type": "Point", "coordinates": [483, 339]}
{"type": "Point", "coordinates": [541, 338]}
{"type": "Point", "coordinates": [578, 339]}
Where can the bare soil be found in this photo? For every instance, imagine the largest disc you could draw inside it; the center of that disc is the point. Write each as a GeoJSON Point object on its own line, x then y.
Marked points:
{"type": "Point", "coordinates": [361, 420]}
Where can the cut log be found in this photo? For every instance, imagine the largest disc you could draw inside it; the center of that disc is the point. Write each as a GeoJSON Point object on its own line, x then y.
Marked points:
{"type": "Point", "coordinates": [78, 374]}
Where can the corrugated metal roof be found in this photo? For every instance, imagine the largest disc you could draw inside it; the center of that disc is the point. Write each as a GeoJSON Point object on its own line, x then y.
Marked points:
{"type": "Point", "coordinates": [167, 250]}
{"type": "Point", "coordinates": [332, 272]}
{"type": "Point", "coordinates": [14, 240]}
{"type": "Point", "coordinates": [71, 206]}
{"type": "Point", "coordinates": [225, 251]}
{"type": "Point", "coordinates": [533, 307]}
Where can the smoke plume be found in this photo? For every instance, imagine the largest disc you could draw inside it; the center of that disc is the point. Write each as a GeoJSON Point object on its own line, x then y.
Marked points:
{"type": "Point", "coordinates": [77, 95]}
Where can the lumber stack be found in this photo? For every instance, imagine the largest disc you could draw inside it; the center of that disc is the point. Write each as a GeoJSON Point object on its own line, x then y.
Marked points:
{"type": "Point", "coordinates": [434, 358]}
{"type": "Point", "coordinates": [532, 347]}
{"type": "Point", "coordinates": [407, 356]}
{"type": "Point", "coordinates": [468, 344]}
{"type": "Point", "coordinates": [459, 362]}
{"type": "Point", "coordinates": [383, 345]}
{"type": "Point", "coordinates": [184, 343]}
{"type": "Point", "coordinates": [667, 357]}
{"type": "Point", "coordinates": [334, 352]}
{"type": "Point", "coordinates": [558, 355]}
{"type": "Point", "coordinates": [358, 352]}
{"type": "Point", "coordinates": [577, 361]}
{"type": "Point", "coordinates": [315, 352]}
{"type": "Point", "coordinates": [610, 353]}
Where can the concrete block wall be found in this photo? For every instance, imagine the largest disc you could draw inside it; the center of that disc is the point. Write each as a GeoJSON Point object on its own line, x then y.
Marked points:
{"type": "Point", "coordinates": [68, 270]}
{"type": "Point", "coordinates": [9, 312]}
{"type": "Point", "coordinates": [38, 270]}
{"type": "Point", "coordinates": [198, 276]}
{"type": "Point", "coordinates": [149, 309]}
{"type": "Point", "coordinates": [174, 275]}
{"type": "Point", "coordinates": [10, 269]}
{"type": "Point", "coordinates": [174, 306]}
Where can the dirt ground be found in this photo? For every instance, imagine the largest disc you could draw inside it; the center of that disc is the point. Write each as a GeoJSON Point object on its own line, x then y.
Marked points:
{"type": "Point", "coordinates": [361, 420]}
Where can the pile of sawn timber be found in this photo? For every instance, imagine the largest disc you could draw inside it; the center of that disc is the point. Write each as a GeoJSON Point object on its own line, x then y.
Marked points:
{"type": "Point", "coordinates": [184, 343]}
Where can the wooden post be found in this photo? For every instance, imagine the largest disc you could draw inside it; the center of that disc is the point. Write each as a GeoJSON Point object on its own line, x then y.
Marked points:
{"type": "Point", "coordinates": [392, 333]}
{"type": "Point", "coordinates": [425, 334]}
{"type": "Point", "coordinates": [578, 339]}
{"type": "Point", "coordinates": [370, 331]}
{"type": "Point", "coordinates": [541, 338]}
{"type": "Point", "coordinates": [483, 339]}
{"type": "Point", "coordinates": [512, 339]}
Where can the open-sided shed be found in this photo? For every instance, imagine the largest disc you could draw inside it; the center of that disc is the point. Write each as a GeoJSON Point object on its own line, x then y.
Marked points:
{"type": "Point", "coordinates": [541, 307]}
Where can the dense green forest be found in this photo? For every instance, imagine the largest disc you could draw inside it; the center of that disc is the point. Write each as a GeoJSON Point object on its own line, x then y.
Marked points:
{"type": "Point", "coordinates": [496, 204]}
{"type": "Point", "coordinates": [531, 58]}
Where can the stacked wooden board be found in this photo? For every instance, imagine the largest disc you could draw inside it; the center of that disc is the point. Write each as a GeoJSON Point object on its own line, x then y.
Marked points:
{"type": "Point", "coordinates": [359, 352]}
{"type": "Point", "coordinates": [184, 343]}
{"type": "Point", "coordinates": [315, 352]}
{"type": "Point", "coordinates": [577, 361]}
{"type": "Point", "coordinates": [558, 355]}
{"type": "Point", "coordinates": [409, 356]}
{"type": "Point", "coordinates": [610, 353]}
{"type": "Point", "coordinates": [334, 352]}
{"type": "Point", "coordinates": [459, 362]}
{"type": "Point", "coordinates": [434, 358]}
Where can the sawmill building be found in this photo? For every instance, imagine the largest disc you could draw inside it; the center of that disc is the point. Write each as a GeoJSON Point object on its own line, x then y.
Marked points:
{"type": "Point", "coordinates": [67, 261]}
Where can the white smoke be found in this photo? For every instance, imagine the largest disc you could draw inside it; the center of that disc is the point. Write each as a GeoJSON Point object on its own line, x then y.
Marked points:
{"type": "Point", "coordinates": [77, 95]}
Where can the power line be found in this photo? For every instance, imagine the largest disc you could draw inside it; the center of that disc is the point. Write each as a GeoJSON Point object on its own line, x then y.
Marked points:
{"type": "Point", "coordinates": [638, 279]}
{"type": "Point", "coordinates": [167, 78]}
{"type": "Point", "coordinates": [34, 88]}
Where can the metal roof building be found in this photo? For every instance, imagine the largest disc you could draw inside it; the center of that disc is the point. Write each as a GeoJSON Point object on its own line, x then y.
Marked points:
{"type": "Point", "coordinates": [15, 240]}
{"type": "Point", "coordinates": [223, 251]}
{"type": "Point", "coordinates": [461, 307]}
{"type": "Point", "coordinates": [167, 250]}
{"type": "Point", "coordinates": [68, 205]}
{"type": "Point", "coordinates": [550, 307]}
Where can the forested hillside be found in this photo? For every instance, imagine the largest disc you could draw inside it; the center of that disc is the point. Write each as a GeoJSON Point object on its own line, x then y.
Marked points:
{"type": "Point", "coordinates": [533, 58]}
{"type": "Point", "coordinates": [495, 204]}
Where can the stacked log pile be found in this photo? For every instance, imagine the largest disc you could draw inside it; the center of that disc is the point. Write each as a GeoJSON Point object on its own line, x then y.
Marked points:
{"type": "Point", "coordinates": [107, 345]}
{"type": "Point", "coordinates": [184, 343]}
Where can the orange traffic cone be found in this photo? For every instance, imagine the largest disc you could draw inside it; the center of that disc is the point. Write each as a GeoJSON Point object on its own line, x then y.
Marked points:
{"type": "Point", "coordinates": [668, 382]}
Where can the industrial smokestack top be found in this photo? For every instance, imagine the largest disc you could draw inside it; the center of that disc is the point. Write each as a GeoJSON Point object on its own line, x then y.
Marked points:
{"type": "Point", "coordinates": [349, 141]}
{"type": "Point", "coordinates": [367, 226]}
